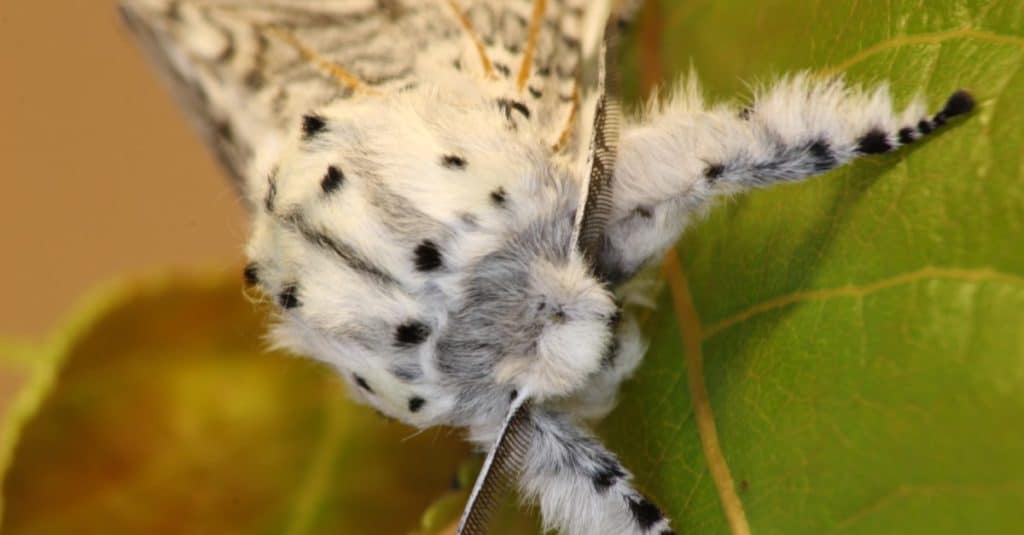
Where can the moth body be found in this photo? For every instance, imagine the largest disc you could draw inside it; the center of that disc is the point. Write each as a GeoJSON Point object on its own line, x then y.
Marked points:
{"type": "Point", "coordinates": [416, 174]}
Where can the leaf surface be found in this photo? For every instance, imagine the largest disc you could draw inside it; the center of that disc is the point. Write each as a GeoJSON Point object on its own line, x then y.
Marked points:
{"type": "Point", "coordinates": [164, 413]}
{"type": "Point", "coordinates": [846, 355]}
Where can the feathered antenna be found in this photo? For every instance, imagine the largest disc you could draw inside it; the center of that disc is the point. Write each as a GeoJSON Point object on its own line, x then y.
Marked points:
{"type": "Point", "coordinates": [604, 147]}
{"type": "Point", "coordinates": [502, 464]}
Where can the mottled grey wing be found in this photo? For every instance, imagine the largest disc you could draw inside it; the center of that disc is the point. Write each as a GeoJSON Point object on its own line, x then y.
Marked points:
{"type": "Point", "coordinates": [247, 70]}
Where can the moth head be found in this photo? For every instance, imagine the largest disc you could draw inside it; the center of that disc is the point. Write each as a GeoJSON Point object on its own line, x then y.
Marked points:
{"type": "Point", "coordinates": [540, 311]}
{"type": "Point", "coordinates": [573, 316]}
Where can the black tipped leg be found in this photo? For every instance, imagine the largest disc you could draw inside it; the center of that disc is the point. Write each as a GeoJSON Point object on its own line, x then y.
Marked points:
{"type": "Point", "coordinates": [959, 103]}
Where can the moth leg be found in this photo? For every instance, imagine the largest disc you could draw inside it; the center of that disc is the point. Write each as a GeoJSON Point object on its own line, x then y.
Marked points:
{"type": "Point", "coordinates": [581, 486]}
{"type": "Point", "coordinates": [688, 153]}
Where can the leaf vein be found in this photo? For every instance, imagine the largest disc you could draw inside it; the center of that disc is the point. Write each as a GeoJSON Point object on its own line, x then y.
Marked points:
{"type": "Point", "coordinates": [926, 273]}
{"type": "Point", "coordinates": [918, 39]}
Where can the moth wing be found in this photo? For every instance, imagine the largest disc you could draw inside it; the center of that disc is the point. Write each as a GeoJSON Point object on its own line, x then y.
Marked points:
{"type": "Point", "coordinates": [247, 71]}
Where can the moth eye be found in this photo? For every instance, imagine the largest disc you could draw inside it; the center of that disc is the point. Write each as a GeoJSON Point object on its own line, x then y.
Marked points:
{"type": "Point", "coordinates": [416, 403]}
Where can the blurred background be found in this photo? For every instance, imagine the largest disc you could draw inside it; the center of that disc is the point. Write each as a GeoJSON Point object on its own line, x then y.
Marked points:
{"type": "Point", "coordinates": [101, 174]}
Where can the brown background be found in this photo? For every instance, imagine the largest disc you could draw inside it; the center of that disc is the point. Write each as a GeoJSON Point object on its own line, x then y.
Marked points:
{"type": "Point", "coordinates": [101, 175]}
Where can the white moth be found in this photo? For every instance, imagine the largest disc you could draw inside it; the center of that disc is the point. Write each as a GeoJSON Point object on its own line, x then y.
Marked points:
{"type": "Point", "coordinates": [416, 172]}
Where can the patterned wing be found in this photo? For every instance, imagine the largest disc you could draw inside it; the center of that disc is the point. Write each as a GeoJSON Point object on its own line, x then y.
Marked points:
{"type": "Point", "coordinates": [247, 70]}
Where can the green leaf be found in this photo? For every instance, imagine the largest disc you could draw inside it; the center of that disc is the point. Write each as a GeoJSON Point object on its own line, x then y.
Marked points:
{"type": "Point", "coordinates": [159, 410]}
{"type": "Point", "coordinates": [847, 355]}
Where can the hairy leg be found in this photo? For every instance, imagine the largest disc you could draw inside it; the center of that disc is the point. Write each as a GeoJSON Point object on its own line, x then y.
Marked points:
{"type": "Point", "coordinates": [581, 487]}
{"type": "Point", "coordinates": [687, 153]}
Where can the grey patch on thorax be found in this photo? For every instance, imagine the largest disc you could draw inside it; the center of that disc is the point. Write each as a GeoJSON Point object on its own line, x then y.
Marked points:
{"type": "Point", "coordinates": [496, 316]}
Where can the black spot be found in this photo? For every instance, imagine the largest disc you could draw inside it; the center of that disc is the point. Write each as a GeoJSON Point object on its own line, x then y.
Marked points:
{"type": "Point", "coordinates": [416, 403]}
{"type": "Point", "coordinates": [499, 196]}
{"type": "Point", "coordinates": [644, 512]}
{"type": "Point", "coordinates": [255, 80]}
{"type": "Point", "coordinates": [513, 395]}
{"type": "Point", "coordinates": [332, 179]}
{"type": "Point", "coordinates": [288, 298]}
{"type": "Point", "coordinates": [607, 473]}
{"type": "Point", "coordinates": [544, 71]}
{"type": "Point", "coordinates": [925, 127]}
{"type": "Point", "coordinates": [713, 172]}
{"type": "Point", "coordinates": [251, 274]}
{"type": "Point", "coordinates": [959, 103]}
{"type": "Point", "coordinates": [745, 113]}
{"type": "Point", "coordinates": [452, 161]}
{"type": "Point", "coordinates": [312, 125]}
{"type": "Point", "coordinates": [508, 105]}
{"type": "Point", "coordinates": [667, 532]}
{"type": "Point", "coordinates": [536, 93]}
{"type": "Point", "coordinates": [512, 48]}
{"type": "Point", "coordinates": [410, 334]}
{"type": "Point", "coordinates": [503, 69]}
{"type": "Point", "coordinates": [268, 201]}
{"type": "Point", "coordinates": [824, 159]}
{"type": "Point", "coordinates": [428, 257]}
{"type": "Point", "coordinates": [362, 383]}
{"type": "Point", "coordinates": [457, 63]}
{"type": "Point", "coordinates": [906, 135]}
{"type": "Point", "coordinates": [874, 142]}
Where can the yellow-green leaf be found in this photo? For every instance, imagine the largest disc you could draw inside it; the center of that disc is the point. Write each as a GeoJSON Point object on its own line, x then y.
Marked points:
{"type": "Point", "coordinates": [847, 355]}
{"type": "Point", "coordinates": [167, 415]}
